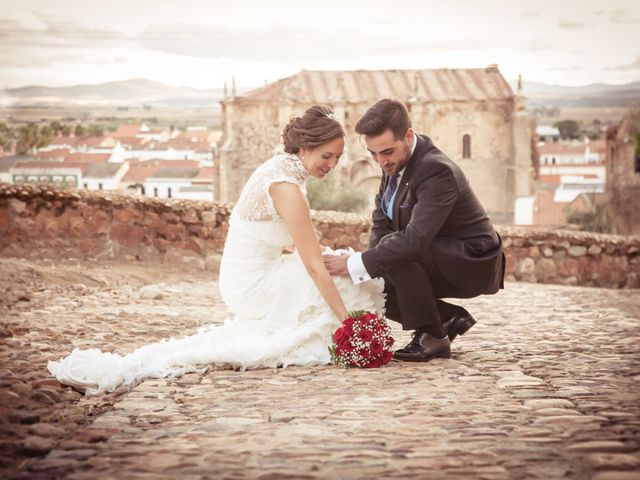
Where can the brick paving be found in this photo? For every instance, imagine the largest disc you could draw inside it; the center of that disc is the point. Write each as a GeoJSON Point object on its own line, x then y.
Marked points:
{"type": "Point", "coordinates": [546, 385]}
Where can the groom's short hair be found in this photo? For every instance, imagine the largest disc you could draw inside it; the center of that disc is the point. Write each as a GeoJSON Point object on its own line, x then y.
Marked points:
{"type": "Point", "coordinates": [382, 115]}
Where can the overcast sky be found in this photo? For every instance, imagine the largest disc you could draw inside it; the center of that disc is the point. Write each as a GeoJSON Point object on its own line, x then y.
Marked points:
{"type": "Point", "coordinates": [202, 43]}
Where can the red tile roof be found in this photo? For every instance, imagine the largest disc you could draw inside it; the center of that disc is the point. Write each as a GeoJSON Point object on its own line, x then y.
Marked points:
{"type": "Point", "coordinates": [199, 135]}
{"type": "Point", "coordinates": [126, 130]}
{"type": "Point", "coordinates": [205, 174]}
{"type": "Point", "coordinates": [56, 153]}
{"type": "Point", "coordinates": [51, 165]}
{"type": "Point", "coordinates": [139, 171]}
{"type": "Point", "coordinates": [360, 86]}
{"type": "Point", "coordinates": [82, 157]}
{"type": "Point", "coordinates": [555, 179]}
{"type": "Point", "coordinates": [562, 148]}
{"type": "Point", "coordinates": [133, 142]}
{"type": "Point", "coordinates": [94, 142]}
{"type": "Point", "coordinates": [71, 141]}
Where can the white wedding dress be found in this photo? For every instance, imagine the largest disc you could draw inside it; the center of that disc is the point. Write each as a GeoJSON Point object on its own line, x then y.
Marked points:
{"type": "Point", "coordinates": [279, 318]}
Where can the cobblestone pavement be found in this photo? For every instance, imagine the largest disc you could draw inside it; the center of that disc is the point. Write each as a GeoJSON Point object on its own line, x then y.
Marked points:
{"type": "Point", "coordinates": [546, 385]}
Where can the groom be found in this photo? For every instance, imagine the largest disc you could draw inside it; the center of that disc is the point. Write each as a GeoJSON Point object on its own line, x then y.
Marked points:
{"type": "Point", "coordinates": [430, 237]}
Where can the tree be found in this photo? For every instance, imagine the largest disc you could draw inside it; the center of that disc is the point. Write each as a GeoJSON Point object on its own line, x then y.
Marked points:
{"type": "Point", "coordinates": [7, 137]}
{"type": "Point", "coordinates": [95, 130]}
{"type": "Point", "coordinates": [568, 128]}
{"type": "Point", "coordinates": [330, 194]}
{"type": "Point", "coordinates": [31, 137]}
{"type": "Point", "coordinates": [79, 131]}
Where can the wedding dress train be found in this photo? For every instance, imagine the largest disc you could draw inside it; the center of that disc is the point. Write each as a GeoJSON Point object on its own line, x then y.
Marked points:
{"type": "Point", "coordinates": [279, 317]}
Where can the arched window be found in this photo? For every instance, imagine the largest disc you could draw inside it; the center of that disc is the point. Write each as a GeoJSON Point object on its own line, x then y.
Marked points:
{"type": "Point", "coordinates": [466, 146]}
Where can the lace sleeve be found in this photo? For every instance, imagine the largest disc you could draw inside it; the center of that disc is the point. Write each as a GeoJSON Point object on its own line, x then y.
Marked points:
{"type": "Point", "coordinates": [255, 203]}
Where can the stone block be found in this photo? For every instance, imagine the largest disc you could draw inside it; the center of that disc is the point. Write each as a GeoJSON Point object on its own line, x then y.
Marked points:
{"type": "Point", "coordinates": [190, 216]}
{"type": "Point", "coordinates": [127, 235]}
{"type": "Point", "coordinates": [5, 220]}
{"type": "Point", "coordinates": [545, 270]}
{"type": "Point", "coordinates": [594, 250]}
{"type": "Point", "coordinates": [208, 217]}
{"type": "Point", "coordinates": [577, 250]}
{"type": "Point", "coordinates": [17, 206]}
{"type": "Point", "coordinates": [568, 267]}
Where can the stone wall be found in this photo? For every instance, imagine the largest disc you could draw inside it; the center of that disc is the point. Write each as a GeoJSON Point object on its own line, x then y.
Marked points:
{"type": "Point", "coordinates": [40, 223]}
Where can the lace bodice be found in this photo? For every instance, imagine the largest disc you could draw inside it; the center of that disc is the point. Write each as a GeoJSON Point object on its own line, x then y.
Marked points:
{"type": "Point", "coordinates": [255, 203]}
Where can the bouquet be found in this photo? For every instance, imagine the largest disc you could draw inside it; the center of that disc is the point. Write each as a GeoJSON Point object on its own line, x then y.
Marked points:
{"type": "Point", "coordinates": [363, 340]}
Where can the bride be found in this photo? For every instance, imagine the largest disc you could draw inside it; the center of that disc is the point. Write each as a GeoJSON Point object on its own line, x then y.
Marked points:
{"type": "Point", "coordinates": [285, 305]}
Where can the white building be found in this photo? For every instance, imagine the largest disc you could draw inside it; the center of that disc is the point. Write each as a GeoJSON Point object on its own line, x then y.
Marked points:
{"type": "Point", "coordinates": [572, 186]}
{"type": "Point", "coordinates": [57, 174]}
{"type": "Point", "coordinates": [166, 182]}
{"type": "Point", "coordinates": [547, 133]}
{"type": "Point", "coordinates": [104, 176]}
{"type": "Point", "coordinates": [586, 159]}
{"type": "Point", "coordinates": [196, 192]}
{"type": "Point", "coordinates": [572, 153]}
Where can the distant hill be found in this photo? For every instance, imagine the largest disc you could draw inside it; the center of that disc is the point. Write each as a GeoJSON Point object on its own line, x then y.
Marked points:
{"type": "Point", "coordinates": [138, 91]}
{"type": "Point", "coordinates": [114, 93]}
{"type": "Point", "coordinates": [593, 95]}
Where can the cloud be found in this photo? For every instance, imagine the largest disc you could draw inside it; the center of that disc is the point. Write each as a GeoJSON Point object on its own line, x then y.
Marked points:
{"type": "Point", "coordinates": [571, 68]}
{"type": "Point", "coordinates": [625, 68]}
{"type": "Point", "coordinates": [59, 34]}
{"type": "Point", "coordinates": [623, 16]}
{"type": "Point", "coordinates": [291, 44]}
{"type": "Point", "coordinates": [569, 25]}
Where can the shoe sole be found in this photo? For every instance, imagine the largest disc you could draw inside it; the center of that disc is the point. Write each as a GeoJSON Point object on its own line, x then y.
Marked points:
{"type": "Point", "coordinates": [416, 359]}
{"type": "Point", "coordinates": [466, 324]}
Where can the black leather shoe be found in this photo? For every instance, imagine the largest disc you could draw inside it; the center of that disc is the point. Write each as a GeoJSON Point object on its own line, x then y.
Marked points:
{"type": "Point", "coordinates": [459, 324]}
{"type": "Point", "coordinates": [423, 347]}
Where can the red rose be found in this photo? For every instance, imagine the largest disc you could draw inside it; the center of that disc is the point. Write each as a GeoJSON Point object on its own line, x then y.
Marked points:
{"type": "Point", "coordinates": [365, 335]}
{"type": "Point", "coordinates": [370, 317]}
{"type": "Point", "coordinates": [364, 353]}
{"type": "Point", "coordinates": [375, 363]}
{"type": "Point", "coordinates": [338, 334]}
{"type": "Point", "coordinates": [376, 347]}
{"type": "Point", "coordinates": [347, 329]}
{"type": "Point", "coordinates": [386, 357]}
{"type": "Point", "coordinates": [347, 346]}
{"type": "Point", "coordinates": [390, 341]}
{"type": "Point", "coordinates": [348, 323]}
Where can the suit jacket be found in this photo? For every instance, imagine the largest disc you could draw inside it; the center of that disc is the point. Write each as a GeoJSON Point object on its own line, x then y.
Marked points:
{"type": "Point", "coordinates": [437, 216]}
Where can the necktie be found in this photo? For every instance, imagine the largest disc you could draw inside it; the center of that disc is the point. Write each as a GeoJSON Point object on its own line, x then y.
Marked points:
{"type": "Point", "coordinates": [389, 191]}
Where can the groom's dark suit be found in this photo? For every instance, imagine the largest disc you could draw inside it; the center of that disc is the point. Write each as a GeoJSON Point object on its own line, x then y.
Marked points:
{"type": "Point", "coordinates": [440, 243]}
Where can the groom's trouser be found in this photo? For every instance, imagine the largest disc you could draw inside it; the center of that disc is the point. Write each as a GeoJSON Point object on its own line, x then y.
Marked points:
{"type": "Point", "coordinates": [414, 290]}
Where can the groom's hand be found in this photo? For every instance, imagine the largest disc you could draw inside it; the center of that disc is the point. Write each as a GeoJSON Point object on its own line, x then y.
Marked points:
{"type": "Point", "coordinates": [336, 264]}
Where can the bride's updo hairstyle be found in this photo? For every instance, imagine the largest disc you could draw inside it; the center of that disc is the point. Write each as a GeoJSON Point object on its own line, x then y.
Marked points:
{"type": "Point", "coordinates": [317, 126]}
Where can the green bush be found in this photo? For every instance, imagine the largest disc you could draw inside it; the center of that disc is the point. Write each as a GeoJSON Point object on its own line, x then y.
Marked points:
{"type": "Point", "coordinates": [590, 221]}
{"type": "Point", "coordinates": [332, 194]}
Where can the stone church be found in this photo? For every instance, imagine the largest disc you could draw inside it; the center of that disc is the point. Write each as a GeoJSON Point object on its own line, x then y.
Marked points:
{"type": "Point", "coordinates": [471, 114]}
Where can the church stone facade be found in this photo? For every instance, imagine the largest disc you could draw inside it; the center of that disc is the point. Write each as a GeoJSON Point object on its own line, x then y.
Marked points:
{"type": "Point", "coordinates": [471, 114]}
